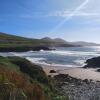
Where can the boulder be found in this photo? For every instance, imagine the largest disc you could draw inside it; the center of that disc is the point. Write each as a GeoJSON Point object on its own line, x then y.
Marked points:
{"type": "Point", "coordinates": [52, 71]}
{"type": "Point", "coordinates": [93, 63]}
{"type": "Point", "coordinates": [98, 70]}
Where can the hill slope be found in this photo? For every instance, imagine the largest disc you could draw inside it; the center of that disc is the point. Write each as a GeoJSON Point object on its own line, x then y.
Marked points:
{"type": "Point", "coordinates": [22, 80]}
{"type": "Point", "coordinates": [82, 43]}
{"type": "Point", "coordinates": [17, 43]}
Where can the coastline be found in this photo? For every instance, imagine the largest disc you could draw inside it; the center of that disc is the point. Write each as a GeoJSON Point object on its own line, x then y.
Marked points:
{"type": "Point", "coordinates": [78, 72]}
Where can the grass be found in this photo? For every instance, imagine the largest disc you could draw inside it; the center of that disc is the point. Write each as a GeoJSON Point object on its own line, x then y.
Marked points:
{"type": "Point", "coordinates": [22, 80]}
{"type": "Point", "coordinates": [17, 43]}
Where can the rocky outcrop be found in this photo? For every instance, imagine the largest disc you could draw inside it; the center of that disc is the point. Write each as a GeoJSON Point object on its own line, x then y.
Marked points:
{"type": "Point", "coordinates": [93, 63]}
{"type": "Point", "coordinates": [98, 70]}
{"type": "Point", "coordinates": [38, 48]}
{"type": "Point", "coordinates": [52, 71]}
{"type": "Point", "coordinates": [23, 48]}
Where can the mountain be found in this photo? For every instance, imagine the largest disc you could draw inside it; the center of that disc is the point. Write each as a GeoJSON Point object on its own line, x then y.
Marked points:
{"type": "Point", "coordinates": [77, 43]}
{"type": "Point", "coordinates": [47, 39]}
{"type": "Point", "coordinates": [82, 43]}
{"type": "Point", "coordinates": [17, 43]}
{"type": "Point", "coordinates": [58, 40]}
{"type": "Point", "coordinates": [9, 43]}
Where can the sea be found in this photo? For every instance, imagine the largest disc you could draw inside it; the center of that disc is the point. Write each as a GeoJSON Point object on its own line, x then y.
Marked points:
{"type": "Point", "coordinates": [61, 57]}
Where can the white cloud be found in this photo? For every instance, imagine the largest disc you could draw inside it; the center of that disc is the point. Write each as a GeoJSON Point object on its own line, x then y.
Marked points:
{"type": "Point", "coordinates": [67, 13]}
{"type": "Point", "coordinates": [80, 11]}
{"type": "Point", "coordinates": [61, 14]}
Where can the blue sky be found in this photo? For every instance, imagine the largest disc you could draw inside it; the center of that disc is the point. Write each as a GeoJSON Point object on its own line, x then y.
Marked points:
{"type": "Point", "coordinates": [72, 20]}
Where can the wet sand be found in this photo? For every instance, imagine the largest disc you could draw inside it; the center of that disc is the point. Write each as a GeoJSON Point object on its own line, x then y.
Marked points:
{"type": "Point", "coordinates": [79, 73]}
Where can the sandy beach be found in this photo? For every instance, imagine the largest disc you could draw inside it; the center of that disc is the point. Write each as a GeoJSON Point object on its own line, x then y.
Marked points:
{"type": "Point", "coordinates": [79, 73]}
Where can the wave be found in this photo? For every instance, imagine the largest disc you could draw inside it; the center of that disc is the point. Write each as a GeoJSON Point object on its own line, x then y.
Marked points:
{"type": "Point", "coordinates": [34, 60]}
{"type": "Point", "coordinates": [74, 53]}
{"type": "Point", "coordinates": [80, 62]}
{"type": "Point", "coordinates": [62, 53]}
{"type": "Point", "coordinates": [43, 63]}
{"type": "Point", "coordinates": [68, 58]}
{"type": "Point", "coordinates": [6, 54]}
{"type": "Point", "coordinates": [22, 54]}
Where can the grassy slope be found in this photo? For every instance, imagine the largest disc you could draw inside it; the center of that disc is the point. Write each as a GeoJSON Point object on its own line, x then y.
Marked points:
{"type": "Point", "coordinates": [20, 43]}
{"type": "Point", "coordinates": [12, 41]}
{"type": "Point", "coordinates": [22, 80]}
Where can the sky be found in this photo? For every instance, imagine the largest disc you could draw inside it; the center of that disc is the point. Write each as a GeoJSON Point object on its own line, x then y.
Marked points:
{"type": "Point", "coordinates": [72, 20]}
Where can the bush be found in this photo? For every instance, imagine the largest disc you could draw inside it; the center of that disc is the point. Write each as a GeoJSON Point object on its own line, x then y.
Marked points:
{"type": "Point", "coordinates": [34, 71]}
{"type": "Point", "coordinates": [23, 80]}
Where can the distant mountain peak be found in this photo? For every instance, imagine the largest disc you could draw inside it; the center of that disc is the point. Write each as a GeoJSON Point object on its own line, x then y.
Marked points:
{"type": "Point", "coordinates": [83, 43]}
{"type": "Point", "coordinates": [54, 40]}
{"type": "Point", "coordinates": [47, 39]}
{"type": "Point", "coordinates": [60, 40]}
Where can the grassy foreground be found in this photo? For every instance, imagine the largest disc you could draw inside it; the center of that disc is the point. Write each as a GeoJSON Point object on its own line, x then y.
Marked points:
{"type": "Point", "coordinates": [22, 80]}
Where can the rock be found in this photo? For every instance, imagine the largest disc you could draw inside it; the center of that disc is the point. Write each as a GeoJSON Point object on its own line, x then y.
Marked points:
{"type": "Point", "coordinates": [86, 81]}
{"type": "Point", "coordinates": [49, 76]}
{"type": "Point", "coordinates": [24, 48]}
{"type": "Point", "coordinates": [77, 89]}
{"type": "Point", "coordinates": [91, 80]}
{"type": "Point", "coordinates": [38, 48]}
{"type": "Point", "coordinates": [98, 70]}
{"type": "Point", "coordinates": [52, 71]}
{"type": "Point", "coordinates": [62, 77]}
{"type": "Point", "coordinates": [93, 63]}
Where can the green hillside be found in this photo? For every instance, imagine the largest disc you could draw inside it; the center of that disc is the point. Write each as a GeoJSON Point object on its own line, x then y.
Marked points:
{"type": "Point", "coordinates": [11, 40]}
{"type": "Point", "coordinates": [17, 43]}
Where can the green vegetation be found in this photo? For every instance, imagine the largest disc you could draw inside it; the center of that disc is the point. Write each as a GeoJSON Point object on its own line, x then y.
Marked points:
{"type": "Point", "coordinates": [20, 44]}
{"type": "Point", "coordinates": [22, 80]}
{"type": "Point", "coordinates": [16, 43]}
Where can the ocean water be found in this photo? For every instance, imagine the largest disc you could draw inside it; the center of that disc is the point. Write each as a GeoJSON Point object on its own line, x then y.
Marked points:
{"type": "Point", "coordinates": [66, 57]}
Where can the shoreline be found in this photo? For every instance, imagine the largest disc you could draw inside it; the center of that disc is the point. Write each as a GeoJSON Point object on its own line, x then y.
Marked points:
{"type": "Point", "coordinates": [78, 72]}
